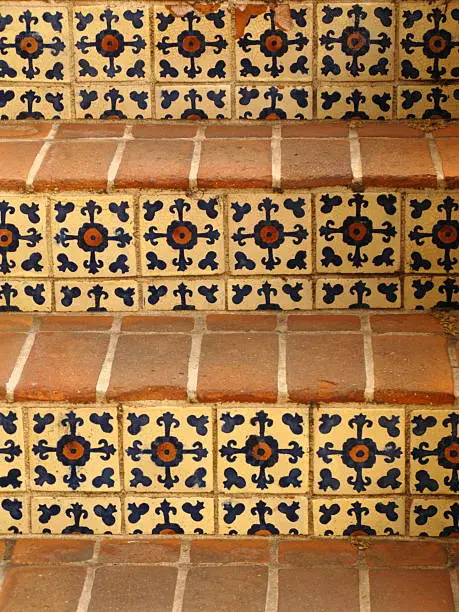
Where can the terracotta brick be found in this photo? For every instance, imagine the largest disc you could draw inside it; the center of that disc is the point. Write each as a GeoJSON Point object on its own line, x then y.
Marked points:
{"type": "Point", "coordinates": [10, 347]}
{"type": "Point", "coordinates": [163, 131]}
{"type": "Point", "coordinates": [155, 163]}
{"type": "Point", "coordinates": [25, 131]}
{"type": "Point", "coordinates": [245, 322]}
{"type": "Point", "coordinates": [449, 153]}
{"type": "Point", "coordinates": [150, 367]}
{"type": "Point", "coordinates": [15, 322]}
{"type": "Point", "coordinates": [389, 130]}
{"type": "Point", "coordinates": [85, 322]}
{"type": "Point", "coordinates": [407, 590]}
{"type": "Point", "coordinates": [239, 368]}
{"type": "Point", "coordinates": [317, 552]}
{"type": "Point", "coordinates": [323, 323]}
{"type": "Point", "coordinates": [2, 549]}
{"type": "Point", "coordinates": [89, 130]}
{"type": "Point", "coordinates": [63, 366]}
{"type": "Point", "coordinates": [405, 554]}
{"type": "Point", "coordinates": [79, 166]}
{"type": "Point", "coordinates": [409, 323]}
{"type": "Point", "coordinates": [38, 551]}
{"type": "Point", "coordinates": [238, 131]}
{"type": "Point", "coordinates": [235, 163]}
{"type": "Point", "coordinates": [314, 129]}
{"type": "Point", "coordinates": [450, 130]}
{"type": "Point", "coordinates": [157, 323]}
{"type": "Point", "coordinates": [402, 162]}
{"type": "Point", "coordinates": [139, 551]}
{"type": "Point", "coordinates": [325, 368]}
{"type": "Point", "coordinates": [17, 159]}
{"type": "Point", "coordinates": [412, 369]}
{"type": "Point", "coordinates": [230, 551]}
{"type": "Point", "coordinates": [315, 163]}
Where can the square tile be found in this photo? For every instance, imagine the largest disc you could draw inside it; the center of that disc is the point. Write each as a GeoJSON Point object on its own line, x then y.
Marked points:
{"type": "Point", "coordinates": [104, 296]}
{"type": "Point", "coordinates": [38, 102]}
{"type": "Point", "coordinates": [271, 293]}
{"type": "Point", "coordinates": [425, 292]}
{"type": "Point", "coordinates": [365, 517]}
{"type": "Point", "coordinates": [432, 233]}
{"type": "Point", "coordinates": [14, 515]}
{"type": "Point", "coordinates": [434, 517]}
{"type": "Point", "coordinates": [269, 233]}
{"type": "Point", "coordinates": [358, 232]}
{"type": "Point", "coordinates": [200, 102]}
{"type": "Point", "coordinates": [12, 450]}
{"type": "Point", "coordinates": [111, 43]}
{"type": "Point", "coordinates": [434, 452]}
{"type": "Point", "coordinates": [427, 41]}
{"type": "Point", "coordinates": [364, 292]}
{"type": "Point", "coordinates": [274, 42]}
{"type": "Point", "coordinates": [73, 450]}
{"type": "Point", "coordinates": [76, 515]}
{"type": "Point", "coordinates": [93, 236]}
{"type": "Point", "coordinates": [192, 45]}
{"type": "Point", "coordinates": [25, 296]}
{"type": "Point", "coordinates": [263, 450]}
{"type": "Point", "coordinates": [182, 235]}
{"type": "Point", "coordinates": [274, 102]}
{"type": "Point", "coordinates": [344, 102]}
{"type": "Point", "coordinates": [120, 102]}
{"type": "Point", "coordinates": [23, 249]}
{"type": "Point", "coordinates": [202, 294]}
{"type": "Point", "coordinates": [359, 451]}
{"type": "Point", "coordinates": [174, 515]}
{"type": "Point", "coordinates": [426, 102]}
{"type": "Point", "coordinates": [356, 41]}
{"type": "Point", "coordinates": [34, 43]}
{"type": "Point", "coordinates": [263, 516]}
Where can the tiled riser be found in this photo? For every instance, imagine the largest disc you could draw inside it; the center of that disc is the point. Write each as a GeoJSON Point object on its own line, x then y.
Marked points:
{"type": "Point", "coordinates": [257, 251]}
{"type": "Point", "coordinates": [143, 60]}
{"type": "Point", "coordinates": [238, 470]}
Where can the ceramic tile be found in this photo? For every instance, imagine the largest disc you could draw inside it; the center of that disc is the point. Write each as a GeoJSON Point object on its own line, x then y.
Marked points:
{"type": "Point", "coordinates": [73, 450]}
{"type": "Point", "coordinates": [182, 235]}
{"type": "Point", "coordinates": [120, 102]}
{"type": "Point", "coordinates": [427, 41]}
{"type": "Point", "coordinates": [424, 292]}
{"type": "Point", "coordinates": [192, 43]}
{"type": "Point", "coordinates": [263, 516]}
{"type": "Point", "coordinates": [168, 450]}
{"type": "Point", "coordinates": [358, 232]}
{"type": "Point", "coordinates": [365, 517]}
{"type": "Point", "coordinates": [271, 293]}
{"type": "Point", "coordinates": [434, 517]}
{"type": "Point", "coordinates": [364, 292]}
{"type": "Point", "coordinates": [14, 517]}
{"type": "Point", "coordinates": [274, 102]}
{"type": "Point", "coordinates": [356, 41]}
{"type": "Point", "coordinates": [274, 42]}
{"type": "Point", "coordinates": [12, 449]}
{"type": "Point", "coordinates": [434, 452]}
{"type": "Point", "coordinates": [269, 233]}
{"type": "Point", "coordinates": [76, 515]}
{"type": "Point", "coordinates": [93, 236]}
{"type": "Point", "coordinates": [191, 294]}
{"type": "Point", "coordinates": [427, 102]}
{"type": "Point", "coordinates": [23, 250]}
{"type": "Point", "coordinates": [366, 102]}
{"type": "Point", "coordinates": [111, 43]}
{"type": "Point", "coordinates": [34, 43]}
{"type": "Point", "coordinates": [432, 232]}
{"type": "Point", "coordinates": [359, 451]}
{"type": "Point", "coordinates": [174, 515]}
{"type": "Point", "coordinates": [103, 296]}
{"type": "Point", "coordinates": [200, 102]}
{"type": "Point", "coordinates": [262, 450]}
{"type": "Point", "coordinates": [25, 296]}
{"type": "Point", "coordinates": [38, 102]}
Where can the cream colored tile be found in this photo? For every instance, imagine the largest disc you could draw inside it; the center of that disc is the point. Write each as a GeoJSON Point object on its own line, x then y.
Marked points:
{"type": "Point", "coordinates": [269, 293]}
{"type": "Point", "coordinates": [434, 517]}
{"type": "Point", "coordinates": [14, 514]}
{"type": "Point", "coordinates": [193, 102]}
{"type": "Point", "coordinates": [25, 295]}
{"type": "Point", "coordinates": [274, 102]}
{"type": "Point", "coordinates": [76, 515]}
{"type": "Point", "coordinates": [74, 295]}
{"type": "Point", "coordinates": [336, 101]}
{"type": "Point", "coordinates": [427, 102]}
{"type": "Point", "coordinates": [174, 515]}
{"type": "Point", "coordinates": [37, 102]}
{"type": "Point", "coordinates": [425, 292]}
{"type": "Point", "coordinates": [364, 292]}
{"type": "Point", "coordinates": [187, 294]}
{"type": "Point", "coordinates": [113, 102]}
{"type": "Point", "coordinates": [12, 451]}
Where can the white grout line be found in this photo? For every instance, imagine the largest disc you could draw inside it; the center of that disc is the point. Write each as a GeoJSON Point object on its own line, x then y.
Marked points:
{"type": "Point", "coordinates": [118, 156]}
{"type": "Point", "coordinates": [106, 370]}
{"type": "Point", "coordinates": [21, 361]}
{"type": "Point", "coordinates": [85, 597]}
{"type": "Point", "coordinates": [436, 160]}
{"type": "Point", "coordinates": [182, 574]}
{"type": "Point", "coordinates": [196, 159]}
{"type": "Point", "coordinates": [364, 590]}
{"type": "Point", "coordinates": [276, 156]}
{"type": "Point", "coordinates": [369, 363]}
{"type": "Point", "coordinates": [356, 157]}
{"type": "Point", "coordinates": [282, 389]}
{"type": "Point", "coordinates": [454, 582]}
{"type": "Point", "coordinates": [272, 592]}
{"type": "Point", "coordinates": [40, 157]}
{"type": "Point", "coordinates": [454, 366]}
{"type": "Point", "coordinates": [195, 357]}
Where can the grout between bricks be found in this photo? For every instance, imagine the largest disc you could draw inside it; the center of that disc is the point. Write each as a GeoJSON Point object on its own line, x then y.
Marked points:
{"type": "Point", "coordinates": [106, 370]}
{"type": "Point", "coordinates": [364, 583]}
{"type": "Point", "coordinates": [369, 393]}
{"type": "Point", "coordinates": [117, 157]}
{"type": "Point", "coordinates": [272, 591]}
{"type": "Point", "coordinates": [21, 360]}
{"type": "Point", "coordinates": [86, 593]}
{"type": "Point", "coordinates": [436, 160]}
{"type": "Point", "coordinates": [195, 358]}
{"type": "Point", "coordinates": [40, 158]}
{"type": "Point", "coordinates": [183, 568]}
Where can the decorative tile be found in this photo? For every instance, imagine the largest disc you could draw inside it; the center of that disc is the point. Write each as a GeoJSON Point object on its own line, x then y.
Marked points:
{"type": "Point", "coordinates": [431, 292]}
{"type": "Point", "coordinates": [76, 515]}
{"type": "Point", "coordinates": [192, 44]}
{"type": "Point", "coordinates": [434, 452]}
{"type": "Point", "coordinates": [285, 293]}
{"type": "Point", "coordinates": [367, 102]}
{"type": "Point", "coordinates": [23, 250]}
{"type": "Point", "coordinates": [203, 294]}
{"type": "Point", "coordinates": [12, 465]}
{"type": "Point", "coordinates": [274, 102]}
{"type": "Point", "coordinates": [355, 41]}
{"type": "Point", "coordinates": [201, 102]}
{"type": "Point", "coordinates": [366, 517]}
{"type": "Point", "coordinates": [434, 517]}
{"type": "Point", "coordinates": [432, 230]}
{"type": "Point", "coordinates": [263, 451]}
{"type": "Point", "coordinates": [274, 43]}
{"type": "Point", "coordinates": [427, 41]}
{"type": "Point", "coordinates": [168, 450]}
{"type": "Point", "coordinates": [39, 102]}
{"type": "Point", "coordinates": [34, 43]}
{"type": "Point", "coordinates": [93, 236]}
{"type": "Point", "coordinates": [365, 292]}
{"type": "Point", "coordinates": [182, 235]}
{"type": "Point", "coordinates": [427, 102]}
{"type": "Point", "coordinates": [105, 296]}
{"type": "Point", "coordinates": [121, 102]}
{"type": "Point", "coordinates": [359, 452]}
{"type": "Point", "coordinates": [73, 450]}
{"type": "Point", "coordinates": [263, 516]}
{"type": "Point", "coordinates": [111, 43]}
{"type": "Point", "coordinates": [269, 235]}
{"type": "Point", "coordinates": [25, 296]}
{"type": "Point", "coordinates": [358, 232]}
{"type": "Point", "coordinates": [14, 516]}
{"type": "Point", "coordinates": [175, 515]}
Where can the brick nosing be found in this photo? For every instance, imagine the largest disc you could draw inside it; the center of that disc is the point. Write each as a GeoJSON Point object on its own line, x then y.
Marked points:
{"type": "Point", "coordinates": [436, 160]}
{"type": "Point", "coordinates": [356, 158]}
{"type": "Point", "coordinates": [40, 158]}
{"type": "Point", "coordinates": [196, 157]}
{"type": "Point", "coordinates": [369, 392]}
{"type": "Point", "coordinates": [117, 157]}
{"type": "Point", "coordinates": [194, 359]}
{"type": "Point", "coordinates": [106, 370]}
{"type": "Point", "coordinates": [276, 157]}
{"type": "Point", "coordinates": [21, 361]}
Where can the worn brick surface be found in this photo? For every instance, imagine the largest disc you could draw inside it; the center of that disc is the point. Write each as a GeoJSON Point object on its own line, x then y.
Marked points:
{"type": "Point", "coordinates": [163, 131]}
{"type": "Point", "coordinates": [318, 322]}
{"type": "Point", "coordinates": [17, 159]}
{"type": "Point", "coordinates": [389, 130]}
{"type": "Point", "coordinates": [422, 323]}
{"type": "Point", "coordinates": [15, 322]}
{"type": "Point", "coordinates": [238, 131]}
{"type": "Point", "coordinates": [10, 347]}
{"type": "Point", "coordinates": [160, 323]}
{"type": "Point", "coordinates": [314, 129]}
{"type": "Point", "coordinates": [66, 550]}
{"type": "Point", "coordinates": [400, 554]}
{"type": "Point", "coordinates": [25, 131]}
{"type": "Point", "coordinates": [245, 322]}
{"type": "Point", "coordinates": [449, 153]}
{"type": "Point", "coordinates": [316, 552]}
{"type": "Point", "coordinates": [89, 130]}
{"type": "Point", "coordinates": [450, 130]}
{"type": "Point", "coordinates": [134, 551]}
{"type": "Point", "coordinates": [82, 322]}
{"type": "Point", "coordinates": [230, 551]}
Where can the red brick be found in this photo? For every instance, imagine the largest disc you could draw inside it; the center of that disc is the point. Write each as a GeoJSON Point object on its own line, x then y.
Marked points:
{"type": "Point", "coordinates": [85, 322]}
{"type": "Point", "coordinates": [328, 129]}
{"type": "Point", "coordinates": [244, 322]}
{"type": "Point", "coordinates": [157, 323]}
{"type": "Point", "coordinates": [324, 322]}
{"type": "Point", "coordinates": [449, 153]}
{"type": "Point", "coordinates": [38, 551]}
{"type": "Point", "coordinates": [90, 130]}
{"type": "Point", "coordinates": [238, 131]}
{"type": "Point", "coordinates": [412, 369]}
{"type": "Point", "coordinates": [139, 551]}
{"type": "Point", "coordinates": [164, 131]}
{"type": "Point", "coordinates": [408, 323]}
{"type": "Point", "coordinates": [25, 131]}
{"type": "Point", "coordinates": [16, 160]}
{"type": "Point", "coordinates": [317, 552]}
{"type": "Point", "coordinates": [239, 368]}
{"type": "Point", "coordinates": [325, 368]}
{"type": "Point", "coordinates": [15, 322]}
{"type": "Point", "coordinates": [315, 163]}
{"type": "Point", "coordinates": [230, 551]}
{"type": "Point", "coordinates": [63, 366]}
{"type": "Point", "coordinates": [235, 163]}
{"type": "Point", "coordinates": [151, 366]}
{"type": "Point", "coordinates": [10, 347]}
{"type": "Point", "coordinates": [155, 163]}
{"type": "Point", "coordinates": [2, 549]}
{"type": "Point", "coordinates": [450, 130]}
{"type": "Point", "coordinates": [389, 130]}
{"type": "Point", "coordinates": [405, 554]}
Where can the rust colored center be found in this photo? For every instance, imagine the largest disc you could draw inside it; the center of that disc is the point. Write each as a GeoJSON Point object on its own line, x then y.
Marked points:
{"type": "Point", "coordinates": [263, 532]}
{"type": "Point", "coordinates": [273, 42]}
{"type": "Point", "coordinates": [29, 45]}
{"type": "Point", "coordinates": [191, 43]}
{"type": "Point", "coordinates": [166, 451]}
{"type": "Point", "coordinates": [359, 532]}
{"type": "Point", "coordinates": [181, 235]}
{"type": "Point", "coordinates": [168, 532]}
{"type": "Point", "coordinates": [357, 231]}
{"type": "Point", "coordinates": [437, 44]}
{"type": "Point", "coordinates": [261, 451]}
{"type": "Point", "coordinates": [92, 237]}
{"type": "Point", "coordinates": [452, 453]}
{"type": "Point", "coordinates": [6, 238]}
{"type": "Point", "coordinates": [448, 234]}
{"type": "Point", "coordinates": [359, 453]}
{"type": "Point", "coordinates": [73, 450]}
{"type": "Point", "coordinates": [110, 43]}
{"type": "Point", "coordinates": [269, 234]}
{"type": "Point", "coordinates": [355, 41]}
{"type": "Point", "coordinates": [272, 117]}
